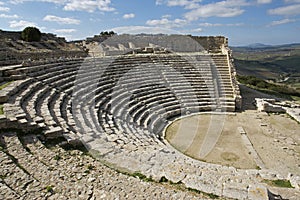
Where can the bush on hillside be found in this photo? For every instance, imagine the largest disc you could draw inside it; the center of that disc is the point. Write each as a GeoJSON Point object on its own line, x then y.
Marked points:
{"type": "Point", "coordinates": [260, 84]}
{"type": "Point", "coordinates": [106, 33]}
{"type": "Point", "coordinates": [31, 34]}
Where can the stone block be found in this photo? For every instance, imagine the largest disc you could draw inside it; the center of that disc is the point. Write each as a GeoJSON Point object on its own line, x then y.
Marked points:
{"type": "Point", "coordinates": [257, 192]}
{"type": "Point", "coordinates": [3, 98]}
{"type": "Point", "coordinates": [235, 190]}
{"type": "Point", "coordinates": [54, 132]}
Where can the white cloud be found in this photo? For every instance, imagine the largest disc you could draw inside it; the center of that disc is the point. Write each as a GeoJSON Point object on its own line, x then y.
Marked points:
{"type": "Point", "coordinates": [77, 5]}
{"type": "Point", "coordinates": [166, 16]}
{"type": "Point", "coordinates": [209, 25]}
{"type": "Point", "coordinates": [292, 1]}
{"type": "Point", "coordinates": [264, 1]}
{"type": "Point", "coordinates": [129, 16]}
{"type": "Point", "coordinates": [227, 8]}
{"type": "Point", "coordinates": [9, 16]}
{"type": "Point", "coordinates": [218, 25]}
{"type": "Point", "coordinates": [166, 23]}
{"type": "Point", "coordinates": [286, 10]}
{"type": "Point", "coordinates": [143, 29]}
{"type": "Point", "coordinates": [64, 30]}
{"type": "Point", "coordinates": [197, 30]}
{"type": "Point", "coordinates": [61, 20]}
{"type": "Point", "coordinates": [21, 24]}
{"type": "Point", "coordinates": [89, 5]}
{"type": "Point", "coordinates": [187, 4]}
{"type": "Point", "coordinates": [3, 8]}
{"type": "Point", "coordinates": [280, 22]}
{"type": "Point", "coordinates": [50, 1]}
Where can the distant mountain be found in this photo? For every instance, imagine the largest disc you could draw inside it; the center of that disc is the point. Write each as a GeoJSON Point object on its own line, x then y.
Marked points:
{"type": "Point", "coordinates": [258, 45]}
{"type": "Point", "coordinates": [277, 62]}
{"type": "Point", "coordinates": [261, 46]}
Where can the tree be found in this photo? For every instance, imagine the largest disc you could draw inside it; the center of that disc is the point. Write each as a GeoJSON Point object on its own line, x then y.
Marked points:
{"type": "Point", "coordinates": [106, 33]}
{"type": "Point", "coordinates": [31, 34]}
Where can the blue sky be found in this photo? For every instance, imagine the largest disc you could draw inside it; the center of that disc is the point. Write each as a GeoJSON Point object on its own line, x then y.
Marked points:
{"type": "Point", "coordinates": [242, 21]}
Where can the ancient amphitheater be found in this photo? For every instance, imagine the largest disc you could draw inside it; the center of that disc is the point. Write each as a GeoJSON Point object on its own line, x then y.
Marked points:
{"type": "Point", "coordinates": [117, 103]}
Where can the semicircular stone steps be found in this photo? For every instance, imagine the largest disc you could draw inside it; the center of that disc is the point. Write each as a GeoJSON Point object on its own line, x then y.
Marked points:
{"type": "Point", "coordinates": [119, 106]}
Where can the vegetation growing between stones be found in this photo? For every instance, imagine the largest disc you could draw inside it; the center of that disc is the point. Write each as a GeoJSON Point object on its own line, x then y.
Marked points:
{"type": "Point", "coordinates": [2, 176]}
{"type": "Point", "coordinates": [49, 189]}
{"type": "Point", "coordinates": [90, 167]}
{"type": "Point", "coordinates": [258, 167]}
{"type": "Point", "coordinates": [57, 157]}
{"type": "Point", "coordinates": [5, 85]}
{"type": "Point", "coordinates": [163, 179]}
{"type": "Point", "coordinates": [212, 196]}
{"type": "Point", "coordinates": [179, 185]}
{"type": "Point", "coordinates": [279, 183]}
{"type": "Point", "coordinates": [1, 109]}
{"type": "Point", "coordinates": [292, 118]}
{"type": "Point", "coordinates": [31, 34]}
{"type": "Point", "coordinates": [141, 176]}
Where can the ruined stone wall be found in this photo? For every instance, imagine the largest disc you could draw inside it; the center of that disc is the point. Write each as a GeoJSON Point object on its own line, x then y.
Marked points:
{"type": "Point", "coordinates": [212, 44]}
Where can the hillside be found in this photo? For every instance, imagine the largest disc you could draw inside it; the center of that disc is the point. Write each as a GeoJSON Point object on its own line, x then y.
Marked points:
{"type": "Point", "coordinates": [280, 64]}
{"type": "Point", "coordinates": [13, 50]}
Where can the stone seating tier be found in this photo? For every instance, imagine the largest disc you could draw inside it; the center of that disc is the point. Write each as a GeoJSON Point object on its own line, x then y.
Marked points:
{"type": "Point", "coordinates": [123, 104]}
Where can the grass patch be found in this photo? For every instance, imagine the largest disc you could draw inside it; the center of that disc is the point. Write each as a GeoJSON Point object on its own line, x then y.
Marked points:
{"type": "Point", "coordinates": [90, 167]}
{"type": "Point", "coordinates": [279, 183]}
{"type": "Point", "coordinates": [57, 157]}
{"type": "Point", "coordinates": [163, 180]}
{"type": "Point", "coordinates": [1, 109]}
{"type": "Point", "coordinates": [210, 195]}
{"type": "Point", "coordinates": [194, 190]}
{"type": "Point", "coordinates": [258, 168]}
{"type": "Point", "coordinates": [213, 196]}
{"type": "Point", "coordinates": [49, 189]}
{"type": "Point", "coordinates": [3, 176]}
{"type": "Point", "coordinates": [142, 177]}
{"type": "Point", "coordinates": [295, 98]}
{"type": "Point", "coordinates": [5, 85]}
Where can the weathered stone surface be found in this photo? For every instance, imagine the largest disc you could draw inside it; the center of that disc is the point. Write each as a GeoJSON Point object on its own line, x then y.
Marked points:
{"type": "Point", "coordinates": [59, 174]}
{"type": "Point", "coordinates": [80, 99]}
{"type": "Point", "coordinates": [257, 192]}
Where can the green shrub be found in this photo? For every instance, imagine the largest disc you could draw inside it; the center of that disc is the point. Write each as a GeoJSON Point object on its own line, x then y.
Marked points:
{"type": "Point", "coordinates": [106, 33]}
{"type": "Point", "coordinates": [31, 34]}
